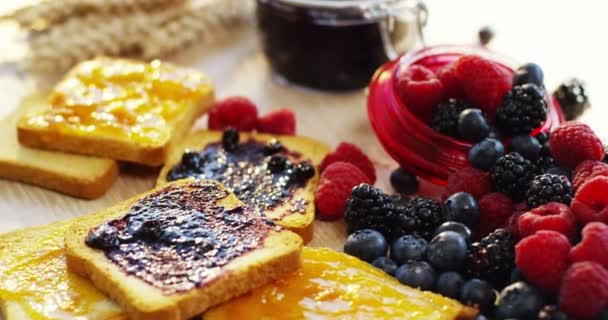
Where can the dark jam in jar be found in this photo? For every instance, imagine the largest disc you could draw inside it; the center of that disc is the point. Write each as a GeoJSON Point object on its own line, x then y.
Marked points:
{"type": "Point", "coordinates": [180, 237]}
{"type": "Point", "coordinates": [334, 44]}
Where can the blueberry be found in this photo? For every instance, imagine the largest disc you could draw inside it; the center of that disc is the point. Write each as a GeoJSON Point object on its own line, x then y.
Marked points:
{"type": "Point", "coordinates": [447, 251]}
{"type": "Point", "coordinates": [485, 34]}
{"type": "Point", "coordinates": [385, 264]}
{"type": "Point", "coordinates": [457, 227]}
{"type": "Point", "coordinates": [519, 300]}
{"type": "Point", "coordinates": [366, 244]}
{"type": "Point", "coordinates": [449, 284]}
{"type": "Point", "coordinates": [191, 159]}
{"type": "Point", "coordinates": [516, 275]}
{"type": "Point", "coordinates": [476, 292]}
{"type": "Point", "coordinates": [495, 134]}
{"type": "Point", "coordinates": [230, 139]}
{"type": "Point", "coordinates": [484, 154]}
{"type": "Point", "coordinates": [277, 163]}
{"type": "Point", "coordinates": [527, 146]}
{"type": "Point", "coordinates": [408, 247]}
{"type": "Point", "coordinates": [273, 146]}
{"type": "Point", "coordinates": [304, 171]}
{"type": "Point", "coordinates": [473, 125]}
{"type": "Point", "coordinates": [416, 274]}
{"type": "Point", "coordinates": [403, 181]}
{"type": "Point", "coordinates": [461, 207]}
{"type": "Point", "coordinates": [104, 237]}
{"type": "Point", "coordinates": [529, 73]}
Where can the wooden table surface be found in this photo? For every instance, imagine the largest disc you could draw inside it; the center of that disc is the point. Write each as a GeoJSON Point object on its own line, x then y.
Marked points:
{"type": "Point", "coordinates": [566, 38]}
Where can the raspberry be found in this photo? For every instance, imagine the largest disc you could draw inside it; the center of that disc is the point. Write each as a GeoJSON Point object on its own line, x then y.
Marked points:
{"type": "Point", "coordinates": [237, 112]}
{"type": "Point", "coordinates": [587, 170]}
{"type": "Point", "coordinates": [449, 80]}
{"type": "Point", "coordinates": [347, 152]}
{"type": "Point", "coordinates": [420, 90]}
{"type": "Point", "coordinates": [494, 211]}
{"type": "Point", "coordinates": [543, 258]}
{"type": "Point", "coordinates": [282, 121]}
{"type": "Point", "coordinates": [484, 82]}
{"type": "Point", "coordinates": [471, 180]}
{"type": "Point", "coordinates": [594, 246]}
{"type": "Point", "coordinates": [574, 142]}
{"type": "Point", "coordinates": [590, 202]}
{"type": "Point", "coordinates": [584, 291]}
{"type": "Point", "coordinates": [551, 216]}
{"type": "Point", "coordinates": [335, 186]}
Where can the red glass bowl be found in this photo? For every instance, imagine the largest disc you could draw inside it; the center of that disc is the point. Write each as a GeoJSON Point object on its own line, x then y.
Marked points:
{"type": "Point", "coordinates": [410, 141]}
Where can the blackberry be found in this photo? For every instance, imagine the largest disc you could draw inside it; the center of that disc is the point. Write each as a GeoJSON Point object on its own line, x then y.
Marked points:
{"type": "Point", "coordinates": [445, 117]}
{"type": "Point", "coordinates": [572, 97]}
{"type": "Point", "coordinates": [370, 208]}
{"type": "Point", "coordinates": [549, 188]}
{"type": "Point", "coordinates": [523, 109]}
{"type": "Point", "coordinates": [512, 174]}
{"type": "Point", "coordinates": [551, 312]}
{"type": "Point", "coordinates": [420, 216]}
{"type": "Point", "coordinates": [492, 258]}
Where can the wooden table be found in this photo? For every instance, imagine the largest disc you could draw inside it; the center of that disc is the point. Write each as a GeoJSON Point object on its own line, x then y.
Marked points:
{"type": "Point", "coordinates": [565, 38]}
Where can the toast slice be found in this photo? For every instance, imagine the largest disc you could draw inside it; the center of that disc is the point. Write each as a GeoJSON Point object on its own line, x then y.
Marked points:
{"type": "Point", "coordinates": [119, 109]}
{"type": "Point", "coordinates": [333, 285]}
{"type": "Point", "coordinates": [75, 175]}
{"type": "Point", "coordinates": [295, 211]}
{"type": "Point", "coordinates": [177, 250]}
{"type": "Point", "coordinates": [35, 282]}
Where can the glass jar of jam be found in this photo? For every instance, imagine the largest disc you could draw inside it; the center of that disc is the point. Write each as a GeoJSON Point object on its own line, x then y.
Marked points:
{"type": "Point", "coordinates": [336, 44]}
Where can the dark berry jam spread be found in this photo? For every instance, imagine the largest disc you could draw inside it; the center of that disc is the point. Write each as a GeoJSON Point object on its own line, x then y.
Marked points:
{"type": "Point", "coordinates": [262, 175]}
{"type": "Point", "coordinates": [179, 238]}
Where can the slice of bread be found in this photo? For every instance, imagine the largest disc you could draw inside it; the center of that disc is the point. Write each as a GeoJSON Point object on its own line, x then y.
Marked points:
{"type": "Point", "coordinates": [333, 285]}
{"type": "Point", "coordinates": [36, 284]}
{"type": "Point", "coordinates": [276, 254]}
{"type": "Point", "coordinates": [119, 109]}
{"type": "Point", "coordinates": [75, 175]}
{"type": "Point", "coordinates": [312, 150]}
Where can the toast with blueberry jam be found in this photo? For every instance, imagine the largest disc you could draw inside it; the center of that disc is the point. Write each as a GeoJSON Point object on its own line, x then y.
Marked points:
{"type": "Point", "coordinates": [180, 249]}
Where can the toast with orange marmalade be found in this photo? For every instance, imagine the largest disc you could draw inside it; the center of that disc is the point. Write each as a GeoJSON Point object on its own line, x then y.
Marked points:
{"type": "Point", "coordinates": [177, 250]}
{"type": "Point", "coordinates": [119, 109]}
{"type": "Point", "coordinates": [273, 175]}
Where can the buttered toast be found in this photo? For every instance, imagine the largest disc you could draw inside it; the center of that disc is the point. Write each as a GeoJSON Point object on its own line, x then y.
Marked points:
{"type": "Point", "coordinates": [119, 109]}
{"type": "Point", "coordinates": [179, 249]}
{"type": "Point", "coordinates": [275, 175]}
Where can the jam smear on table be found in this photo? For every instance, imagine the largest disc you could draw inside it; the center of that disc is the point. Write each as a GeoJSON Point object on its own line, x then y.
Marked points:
{"type": "Point", "coordinates": [179, 238]}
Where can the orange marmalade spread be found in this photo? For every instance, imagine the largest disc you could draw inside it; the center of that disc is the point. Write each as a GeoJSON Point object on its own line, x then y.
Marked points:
{"type": "Point", "coordinates": [120, 99]}
{"type": "Point", "coordinates": [332, 285]}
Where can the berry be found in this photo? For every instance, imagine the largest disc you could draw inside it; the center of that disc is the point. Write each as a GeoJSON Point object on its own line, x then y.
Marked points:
{"type": "Point", "coordinates": [493, 257]}
{"type": "Point", "coordinates": [594, 246]}
{"type": "Point", "coordinates": [282, 121]}
{"type": "Point", "coordinates": [461, 207]}
{"type": "Point", "coordinates": [457, 227]}
{"type": "Point", "coordinates": [485, 154]}
{"type": "Point", "coordinates": [478, 293]}
{"type": "Point", "coordinates": [420, 90]}
{"type": "Point", "coordinates": [277, 163]}
{"type": "Point", "coordinates": [385, 264]}
{"type": "Point", "coordinates": [494, 211]}
{"type": "Point", "coordinates": [366, 244]}
{"type": "Point", "coordinates": [584, 291]}
{"type": "Point", "coordinates": [191, 159]}
{"type": "Point", "coordinates": [370, 208]}
{"type": "Point", "coordinates": [335, 186]}
{"type": "Point", "coordinates": [551, 312]}
{"type": "Point", "coordinates": [603, 315]}
{"type": "Point", "coordinates": [523, 109]}
{"type": "Point", "coordinates": [273, 146]}
{"type": "Point", "coordinates": [470, 180]}
{"type": "Point", "coordinates": [590, 202]}
{"type": "Point", "coordinates": [347, 152]}
{"type": "Point", "coordinates": [449, 80]}
{"type": "Point", "coordinates": [483, 82]}
{"type": "Point", "coordinates": [485, 35]}
{"type": "Point", "coordinates": [473, 125]}
{"type": "Point", "coordinates": [572, 97]}
{"type": "Point", "coordinates": [551, 216]}
{"type": "Point", "coordinates": [548, 188]}
{"type": "Point", "coordinates": [519, 301]}
{"type": "Point", "coordinates": [529, 73]}
{"type": "Point", "coordinates": [449, 284]}
{"type": "Point", "coordinates": [560, 172]}
{"type": "Point", "coordinates": [512, 175]}
{"type": "Point", "coordinates": [304, 171]}
{"type": "Point", "coordinates": [543, 258]}
{"type": "Point", "coordinates": [408, 247]}
{"type": "Point", "coordinates": [527, 146]}
{"type": "Point", "coordinates": [416, 274]}
{"type": "Point", "coordinates": [103, 237]}
{"type": "Point", "coordinates": [230, 139]}
{"type": "Point", "coordinates": [447, 251]}
{"type": "Point", "coordinates": [422, 216]}
{"type": "Point", "coordinates": [237, 112]}
{"type": "Point", "coordinates": [587, 170]}
{"type": "Point", "coordinates": [574, 142]}
{"type": "Point", "coordinates": [403, 181]}
{"type": "Point", "coordinates": [516, 276]}
{"type": "Point", "coordinates": [445, 117]}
